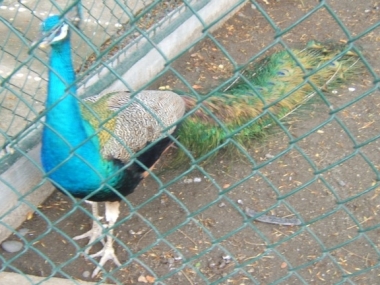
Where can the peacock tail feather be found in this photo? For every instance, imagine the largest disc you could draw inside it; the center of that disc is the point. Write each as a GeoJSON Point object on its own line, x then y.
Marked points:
{"type": "Point", "coordinates": [271, 88]}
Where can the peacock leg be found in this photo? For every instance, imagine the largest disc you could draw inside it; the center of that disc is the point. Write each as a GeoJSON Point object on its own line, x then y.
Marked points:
{"type": "Point", "coordinates": [108, 252]}
{"type": "Point", "coordinates": [96, 230]}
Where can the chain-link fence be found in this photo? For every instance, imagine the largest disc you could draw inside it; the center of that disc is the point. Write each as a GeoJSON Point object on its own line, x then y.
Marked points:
{"type": "Point", "coordinates": [189, 224]}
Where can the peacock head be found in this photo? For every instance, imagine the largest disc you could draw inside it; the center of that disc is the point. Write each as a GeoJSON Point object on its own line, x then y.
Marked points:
{"type": "Point", "coordinates": [54, 30]}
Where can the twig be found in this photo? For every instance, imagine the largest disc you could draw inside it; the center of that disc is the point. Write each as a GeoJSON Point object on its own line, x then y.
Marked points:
{"type": "Point", "coordinates": [187, 277]}
{"type": "Point", "coordinates": [143, 237]}
{"type": "Point", "coordinates": [188, 237]}
{"type": "Point", "coordinates": [272, 219]}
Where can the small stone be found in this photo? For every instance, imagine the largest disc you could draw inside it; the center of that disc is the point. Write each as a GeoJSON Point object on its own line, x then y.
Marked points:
{"type": "Point", "coordinates": [197, 179]}
{"type": "Point", "coordinates": [211, 264]}
{"type": "Point", "coordinates": [12, 246]}
{"type": "Point", "coordinates": [221, 205]}
{"type": "Point", "coordinates": [86, 274]}
{"type": "Point", "coordinates": [222, 264]}
{"type": "Point", "coordinates": [240, 202]}
{"type": "Point", "coordinates": [23, 231]}
{"type": "Point", "coordinates": [269, 156]}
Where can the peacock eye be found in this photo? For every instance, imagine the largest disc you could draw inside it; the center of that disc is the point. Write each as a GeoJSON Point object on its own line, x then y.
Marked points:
{"type": "Point", "coordinates": [59, 33]}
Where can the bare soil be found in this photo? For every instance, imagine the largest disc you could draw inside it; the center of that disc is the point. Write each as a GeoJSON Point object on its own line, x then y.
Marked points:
{"type": "Point", "coordinates": [325, 178]}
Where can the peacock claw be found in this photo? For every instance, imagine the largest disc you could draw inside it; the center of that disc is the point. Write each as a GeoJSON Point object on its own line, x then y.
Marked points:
{"type": "Point", "coordinates": [106, 253]}
{"type": "Point", "coordinates": [93, 234]}
{"type": "Point", "coordinates": [96, 230]}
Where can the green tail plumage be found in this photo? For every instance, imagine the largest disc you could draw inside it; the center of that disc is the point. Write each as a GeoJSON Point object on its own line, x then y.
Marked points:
{"type": "Point", "coordinates": [269, 89]}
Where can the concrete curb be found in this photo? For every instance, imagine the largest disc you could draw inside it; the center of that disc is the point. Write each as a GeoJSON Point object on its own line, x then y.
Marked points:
{"type": "Point", "coordinates": [22, 176]}
{"type": "Point", "coordinates": [10, 278]}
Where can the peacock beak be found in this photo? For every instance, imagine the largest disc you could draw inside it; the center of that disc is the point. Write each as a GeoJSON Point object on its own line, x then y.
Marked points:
{"type": "Point", "coordinates": [44, 44]}
{"type": "Point", "coordinates": [38, 43]}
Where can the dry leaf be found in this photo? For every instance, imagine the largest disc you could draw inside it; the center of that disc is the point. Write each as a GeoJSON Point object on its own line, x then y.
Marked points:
{"type": "Point", "coordinates": [226, 185]}
{"type": "Point", "coordinates": [150, 279]}
{"type": "Point", "coordinates": [284, 265]}
{"type": "Point", "coordinates": [197, 86]}
{"type": "Point", "coordinates": [142, 279]}
{"type": "Point", "coordinates": [29, 216]}
{"type": "Point", "coordinates": [164, 87]}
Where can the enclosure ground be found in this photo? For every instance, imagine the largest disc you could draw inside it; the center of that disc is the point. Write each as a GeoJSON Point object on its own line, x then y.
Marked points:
{"type": "Point", "coordinates": [321, 241]}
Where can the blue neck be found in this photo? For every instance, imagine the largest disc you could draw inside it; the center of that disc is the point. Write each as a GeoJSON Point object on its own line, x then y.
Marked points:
{"type": "Point", "coordinates": [65, 115]}
{"type": "Point", "coordinates": [70, 161]}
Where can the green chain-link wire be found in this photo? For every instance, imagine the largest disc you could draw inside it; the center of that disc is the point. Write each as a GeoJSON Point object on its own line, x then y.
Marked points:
{"type": "Point", "coordinates": [15, 144]}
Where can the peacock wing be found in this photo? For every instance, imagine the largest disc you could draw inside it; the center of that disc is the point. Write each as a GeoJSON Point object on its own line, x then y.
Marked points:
{"type": "Point", "coordinates": [126, 124]}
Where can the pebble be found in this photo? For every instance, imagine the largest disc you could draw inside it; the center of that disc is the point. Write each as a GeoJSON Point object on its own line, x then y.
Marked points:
{"type": "Point", "coordinates": [341, 183]}
{"type": "Point", "coordinates": [86, 274]}
{"type": "Point", "coordinates": [269, 156]}
{"type": "Point", "coordinates": [23, 231]}
{"type": "Point", "coordinates": [222, 264]}
{"type": "Point", "coordinates": [190, 180]}
{"type": "Point", "coordinates": [12, 246]}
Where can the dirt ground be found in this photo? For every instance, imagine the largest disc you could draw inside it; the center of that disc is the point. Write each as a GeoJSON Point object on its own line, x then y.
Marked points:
{"type": "Point", "coordinates": [216, 243]}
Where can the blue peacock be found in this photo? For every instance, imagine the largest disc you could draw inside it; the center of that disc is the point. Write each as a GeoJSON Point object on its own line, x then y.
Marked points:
{"type": "Point", "coordinates": [99, 149]}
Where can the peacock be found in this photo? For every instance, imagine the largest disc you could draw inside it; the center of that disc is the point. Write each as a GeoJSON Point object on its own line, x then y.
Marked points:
{"type": "Point", "coordinates": [100, 148]}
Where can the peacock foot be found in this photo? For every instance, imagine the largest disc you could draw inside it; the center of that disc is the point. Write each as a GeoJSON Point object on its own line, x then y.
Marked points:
{"type": "Point", "coordinates": [96, 230]}
{"type": "Point", "coordinates": [107, 253]}
{"type": "Point", "coordinates": [93, 234]}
